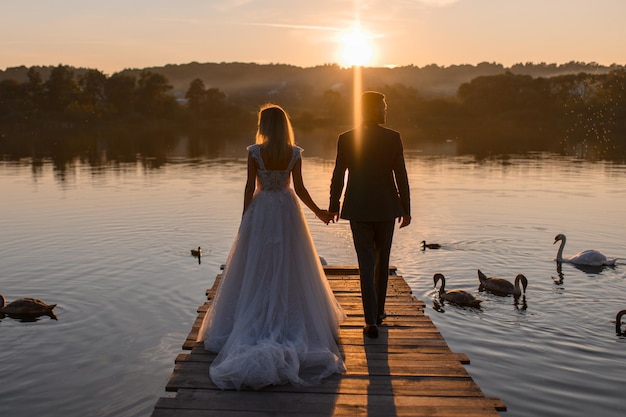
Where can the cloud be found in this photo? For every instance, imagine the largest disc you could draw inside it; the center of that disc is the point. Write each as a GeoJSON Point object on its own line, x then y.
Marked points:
{"type": "Point", "coordinates": [226, 5]}
{"type": "Point", "coordinates": [293, 26]}
{"type": "Point", "coordinates": [437, 3]}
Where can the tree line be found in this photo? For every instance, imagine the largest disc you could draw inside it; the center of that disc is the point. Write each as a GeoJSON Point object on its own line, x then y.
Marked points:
{"type": "Point", "coordinates": [500, 113]}
{"type": "Point", "coordinates": [574, 114]}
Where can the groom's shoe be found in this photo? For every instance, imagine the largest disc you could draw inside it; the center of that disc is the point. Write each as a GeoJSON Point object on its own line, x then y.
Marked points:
{"type": "Point", "coordinates": [381, 318]}
{"type": "Point", "coordinates": [371, 331]}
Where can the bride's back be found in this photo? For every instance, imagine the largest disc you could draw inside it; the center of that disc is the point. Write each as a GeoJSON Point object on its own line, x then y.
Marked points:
{"type": "Point", "coordinates": [272, 164]}
{"type": "Point", "coordinates": [277, 175]}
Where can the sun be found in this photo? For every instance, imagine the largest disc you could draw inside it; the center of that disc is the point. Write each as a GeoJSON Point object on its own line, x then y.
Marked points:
{"type": "Point", "coordinates": [356, 48]}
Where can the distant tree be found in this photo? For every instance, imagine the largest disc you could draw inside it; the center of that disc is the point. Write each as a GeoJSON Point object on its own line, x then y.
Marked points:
{"type": "Point", "coordinates": [119, 90]}
{"type": "Point", "coordinates": [509, 113]}
{"type": "Point", "coordinates": [405, 102]}
{"type": "Point", "coordinates": [594, 111]}
{"type": "Point", "coordinates": [61, 90]}
{"type": "Point", "coordinates": [152, 96]}
{"type": "Point", "coordinates": [33, 91]}
{"type": "Point", "coordinates": [196, 96]}
{"type": "Point", "coordinates": [206, 104]}
{"type": "Point", "coordinates": [612, 92]}
{"type": "Point", "coordinates": [92, 92]}
{"type": "Point", "coordinates": [216, 105]}
{"type": "Point", "coordinates": [34, 77]}
{"type": "Point", "coordinates": [10, 98]}
{"type": "Point", "coordinates": [495, 94]}
{"type": "Point", "coordinates": [335, 107]}
{"type": "Point", "coordinates": [20, 102]}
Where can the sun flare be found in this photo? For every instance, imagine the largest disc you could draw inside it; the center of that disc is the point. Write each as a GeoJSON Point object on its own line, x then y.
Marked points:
{"type": "Point", "coordinates": [356, 49]}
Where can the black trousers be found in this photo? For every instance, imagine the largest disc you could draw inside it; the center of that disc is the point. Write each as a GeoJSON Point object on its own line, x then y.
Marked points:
{"type": "Point", "coordinates": [372, 242]}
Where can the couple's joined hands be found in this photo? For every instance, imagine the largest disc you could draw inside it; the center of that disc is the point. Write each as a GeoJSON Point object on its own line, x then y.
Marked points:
{"type": "Point", "coordinates": [326, 216]}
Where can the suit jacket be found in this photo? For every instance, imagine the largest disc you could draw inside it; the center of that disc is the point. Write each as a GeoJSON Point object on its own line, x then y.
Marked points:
{"type": "Point", "coordinates": [377, 188]}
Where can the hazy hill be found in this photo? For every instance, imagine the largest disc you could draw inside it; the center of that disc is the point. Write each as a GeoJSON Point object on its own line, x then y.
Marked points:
{"type": "Point", "coordinates": [248, 78]}
{"type": "Point", "coordinates": [431, 80]}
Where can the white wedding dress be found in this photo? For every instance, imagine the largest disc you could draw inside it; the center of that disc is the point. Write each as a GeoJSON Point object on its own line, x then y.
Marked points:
{"type": "Point", "coordinates": [274, 319]}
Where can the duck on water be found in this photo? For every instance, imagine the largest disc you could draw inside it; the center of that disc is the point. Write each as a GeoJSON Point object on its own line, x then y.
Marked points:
{"type": "Point", "coordinates": [430, 245]}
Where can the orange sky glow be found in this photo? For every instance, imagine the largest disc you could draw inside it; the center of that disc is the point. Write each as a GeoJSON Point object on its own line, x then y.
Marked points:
{"type": "Point", "coordinates": [115, 35]}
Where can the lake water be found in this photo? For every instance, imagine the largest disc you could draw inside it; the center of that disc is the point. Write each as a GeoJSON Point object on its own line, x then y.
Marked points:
{"type": "Point", "coordinates": [110, 243]}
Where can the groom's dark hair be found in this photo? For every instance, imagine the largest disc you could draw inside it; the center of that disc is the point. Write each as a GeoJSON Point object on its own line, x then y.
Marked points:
{"type": "Point", "coordinates": [370, 105]}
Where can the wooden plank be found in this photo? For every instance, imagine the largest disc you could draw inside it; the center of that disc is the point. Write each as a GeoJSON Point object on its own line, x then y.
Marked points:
{"type": "Point", "coordinates": [408, 371]}
{"type": "Point", "coordinates": [339, 411]}
{"type": "Point", "coordinates": [321, 404]}
{"type": "Point", "coordinates": [350, 270]}
{"type": "Point", "coordinates": [349, 384]}
{"type": "Point", "coordinates": [201, 355]}
{"type": "Point", "coordinates": [301, 401]}
{"type": "Point", "coordinates": [430, 347]}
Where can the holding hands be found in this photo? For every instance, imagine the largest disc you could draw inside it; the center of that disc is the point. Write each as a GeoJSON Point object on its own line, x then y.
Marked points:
{"type": "Point", "coordinates": [325, 216]}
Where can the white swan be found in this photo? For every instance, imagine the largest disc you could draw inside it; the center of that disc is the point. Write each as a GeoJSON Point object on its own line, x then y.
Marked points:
{"type": "Point", "coordinates": [590, 257]}
{"type": "Point", "coordinates": [501, 286]}
{"type": "Point", "coordinates": [458, 297]}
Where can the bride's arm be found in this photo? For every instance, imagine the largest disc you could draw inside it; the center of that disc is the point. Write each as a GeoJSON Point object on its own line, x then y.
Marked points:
{"type": "Point", "coordinates": [303, 193]}
{"type": "Point", "coordinates": [250, 183]}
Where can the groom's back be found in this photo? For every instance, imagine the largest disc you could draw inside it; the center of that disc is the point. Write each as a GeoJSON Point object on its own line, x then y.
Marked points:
{"type": "Point", "coordinates": [371, 154]}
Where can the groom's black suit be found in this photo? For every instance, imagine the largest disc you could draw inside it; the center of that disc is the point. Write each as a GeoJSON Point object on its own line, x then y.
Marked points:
{"type": "Point", "coordinates": [377, 193]}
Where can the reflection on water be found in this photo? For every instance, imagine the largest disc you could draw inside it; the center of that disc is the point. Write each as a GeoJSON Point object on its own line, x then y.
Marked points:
{"type": "Point", "coordinates": [30, 318]}
{"type": "Point", "coordinates": [153, 148]}
{"type": "Point", "coordinates": [110, 243]}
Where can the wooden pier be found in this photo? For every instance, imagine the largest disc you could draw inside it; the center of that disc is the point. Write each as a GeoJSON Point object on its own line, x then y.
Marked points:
{"type": "Point", "coordinates": [409, 370]}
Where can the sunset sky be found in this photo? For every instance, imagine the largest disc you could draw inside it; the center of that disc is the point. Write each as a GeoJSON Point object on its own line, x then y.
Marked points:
{"type": "Point", "coordinates": [112, 35]}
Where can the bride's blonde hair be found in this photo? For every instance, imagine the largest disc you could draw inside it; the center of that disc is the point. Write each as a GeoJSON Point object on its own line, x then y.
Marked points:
{"type": "Point", "coordinates": [274, 132]}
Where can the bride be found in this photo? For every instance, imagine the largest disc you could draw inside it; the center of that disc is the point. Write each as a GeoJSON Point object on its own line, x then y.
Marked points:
{"type": "Point", "coordinates": [274, 319]}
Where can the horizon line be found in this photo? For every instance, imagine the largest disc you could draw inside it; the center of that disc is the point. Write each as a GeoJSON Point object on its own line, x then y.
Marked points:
{"type": "Point", "coordinates": [332, 64]}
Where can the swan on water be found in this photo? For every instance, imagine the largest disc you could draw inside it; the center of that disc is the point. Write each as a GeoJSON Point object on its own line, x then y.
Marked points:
{"type": "Point", "coordinates": [618, 322]}
{"type": "Point", "coordinates": [458, 297]}
{"type": "Point", "coordinates": [590, 257]}
{"type": "Point", "coordinates": [25, 307]}
{"type": "Point", "coordinates": [501, 286]}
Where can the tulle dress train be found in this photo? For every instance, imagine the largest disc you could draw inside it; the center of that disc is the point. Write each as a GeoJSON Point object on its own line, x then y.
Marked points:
{"type": "Point", "coordinates": [274, 319]}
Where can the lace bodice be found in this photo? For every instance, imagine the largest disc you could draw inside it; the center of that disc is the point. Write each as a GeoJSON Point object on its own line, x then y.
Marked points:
{"type": "Point", "coordinates": [273, 180]}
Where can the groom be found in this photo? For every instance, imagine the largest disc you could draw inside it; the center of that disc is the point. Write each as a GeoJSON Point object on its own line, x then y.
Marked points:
{"type": "Point", "coordinates": [377, 193]}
